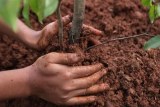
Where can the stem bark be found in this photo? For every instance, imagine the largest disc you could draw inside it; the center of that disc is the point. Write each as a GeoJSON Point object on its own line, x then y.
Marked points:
{"type": "Point", "coordinates": [60, 25]}
{"type": "Point", "coordinates": [78, 17]}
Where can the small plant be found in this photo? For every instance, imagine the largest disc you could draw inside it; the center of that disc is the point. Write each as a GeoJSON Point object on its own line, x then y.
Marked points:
{"type": "Point", "coordinates": [154, 14]}
{"type": "Point", "coordinates": [9, 10]}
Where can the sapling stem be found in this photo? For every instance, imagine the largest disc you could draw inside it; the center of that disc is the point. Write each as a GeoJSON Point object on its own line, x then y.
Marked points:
{"type": "Point", "coordinates": [78, 17]}
{"type": "Point", "coordinates": [60, 25]}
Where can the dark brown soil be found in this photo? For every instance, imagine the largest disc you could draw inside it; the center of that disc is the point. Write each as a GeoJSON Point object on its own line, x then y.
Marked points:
{"type": "Point", "coordinates": [133, 74]}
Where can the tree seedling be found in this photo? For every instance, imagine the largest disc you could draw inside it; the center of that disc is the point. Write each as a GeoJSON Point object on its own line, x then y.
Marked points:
{"type": "Point", "coordinates": [9, 10]}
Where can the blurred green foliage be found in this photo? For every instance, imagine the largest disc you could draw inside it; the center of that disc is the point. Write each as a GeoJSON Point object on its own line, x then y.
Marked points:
{"type": "Point", "coordinates": [9, 10]}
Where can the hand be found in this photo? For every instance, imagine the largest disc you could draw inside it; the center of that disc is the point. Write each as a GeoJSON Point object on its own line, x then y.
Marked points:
{"type": "Point", "coordinates": [40, 39]}
{"type": "Point", "coordinates": [53, 80]}
{"type": "Point", "coordinates": [35, 39]}
{"type": "Point", "coordinates": [45, 35]}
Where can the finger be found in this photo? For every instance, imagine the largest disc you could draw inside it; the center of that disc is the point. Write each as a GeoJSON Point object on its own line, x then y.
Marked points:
{"type": "Point", "coordinates": [91, 29]}
{"type": "Point", "coordinates": [87, 82]}
{"type": "Point", "coordinates": [81, 100]}
{"type": "Point", "coordinates": [95, 41]}
{"type": "Point", "coordinates": [62, 58]}
{"type": "Point", "coordinates": [66, 19]}
{"type": "Point", "coordinates": [84, 71]}
{"type": "Point", "coordinates": [92, 90]}
{"type": "Point", "coordinates": [53, 27]}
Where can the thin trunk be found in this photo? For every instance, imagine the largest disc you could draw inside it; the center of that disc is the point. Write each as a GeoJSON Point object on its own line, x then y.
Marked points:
{"type": "Point", "coordinates": [60, 25]}
{"type": "Point", "coordinates": [78, 17]}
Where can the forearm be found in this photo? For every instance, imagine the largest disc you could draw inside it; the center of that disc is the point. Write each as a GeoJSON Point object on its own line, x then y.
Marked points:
{"type": "Point", "coordinates": [26, 34]}
{"type": "Point", "coordinates": [14, 83]}
{"type": "Point", "coordinates": [23, 33]}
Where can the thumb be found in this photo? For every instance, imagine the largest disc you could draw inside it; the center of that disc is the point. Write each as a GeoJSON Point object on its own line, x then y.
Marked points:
{"type": "Point", "coordinates": [63, 58]}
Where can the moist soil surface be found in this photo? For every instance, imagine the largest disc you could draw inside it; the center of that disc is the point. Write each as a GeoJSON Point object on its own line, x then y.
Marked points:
{"type": "Point", "coordinates": [133, 74]}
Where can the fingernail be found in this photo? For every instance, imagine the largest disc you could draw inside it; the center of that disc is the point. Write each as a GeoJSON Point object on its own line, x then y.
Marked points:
{"type": "Point", "coordinates": [95, 98]}
{"type": "Point", "coordinates": [77, 57]}
{"type": "Point", "coordinates": [100, 65]}
{"type": "Point", "coordinates": [106, 86]}
{"type": "Point", "coordinates": [104, 71]}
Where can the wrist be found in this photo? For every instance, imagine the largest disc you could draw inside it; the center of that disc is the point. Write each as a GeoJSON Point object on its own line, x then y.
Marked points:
{"type": "Point", "coordinates": [26, 74]}
{"type": "Point", "coordinates": [27, 35]}
{"type": "Point", "coordinates": [31, 39]}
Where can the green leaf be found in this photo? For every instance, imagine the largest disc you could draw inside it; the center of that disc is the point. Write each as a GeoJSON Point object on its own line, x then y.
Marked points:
{"type": "Point", "coordinates": [50, 7]}
{"type": "Point", "coordinates": [146, 2]}
{"type": "Point", "coordinates": [153, 13]}
{"type": "Point", "coordinates": [9, 11]}
{"type": "Point", "coordinates": [34, 5]}
{"type": "Point", "coordinates": [43, 8]}
{"type": "Point", "coordinates": [158, 10]}
{"type": "Point", "coordinates": [37, 6]}
{"type": "Point", "coordinates": [25, 11]}
{"type": "Point", "coordinates": [152, 43]}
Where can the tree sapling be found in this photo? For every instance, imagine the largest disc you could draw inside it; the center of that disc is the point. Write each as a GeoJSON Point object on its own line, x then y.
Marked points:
{"type": "Point", "coordinates": [78, 17]}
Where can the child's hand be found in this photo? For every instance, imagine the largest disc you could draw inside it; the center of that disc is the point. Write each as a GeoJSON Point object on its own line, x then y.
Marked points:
{"type": "Point", "coordinates": [45, 35]}
{"type": "Point", "coordinates": [40, 39]}
{"type": "Point", "coordinates": [52, 79]}
{"type": "Point", "coordinates": [35, 39]}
